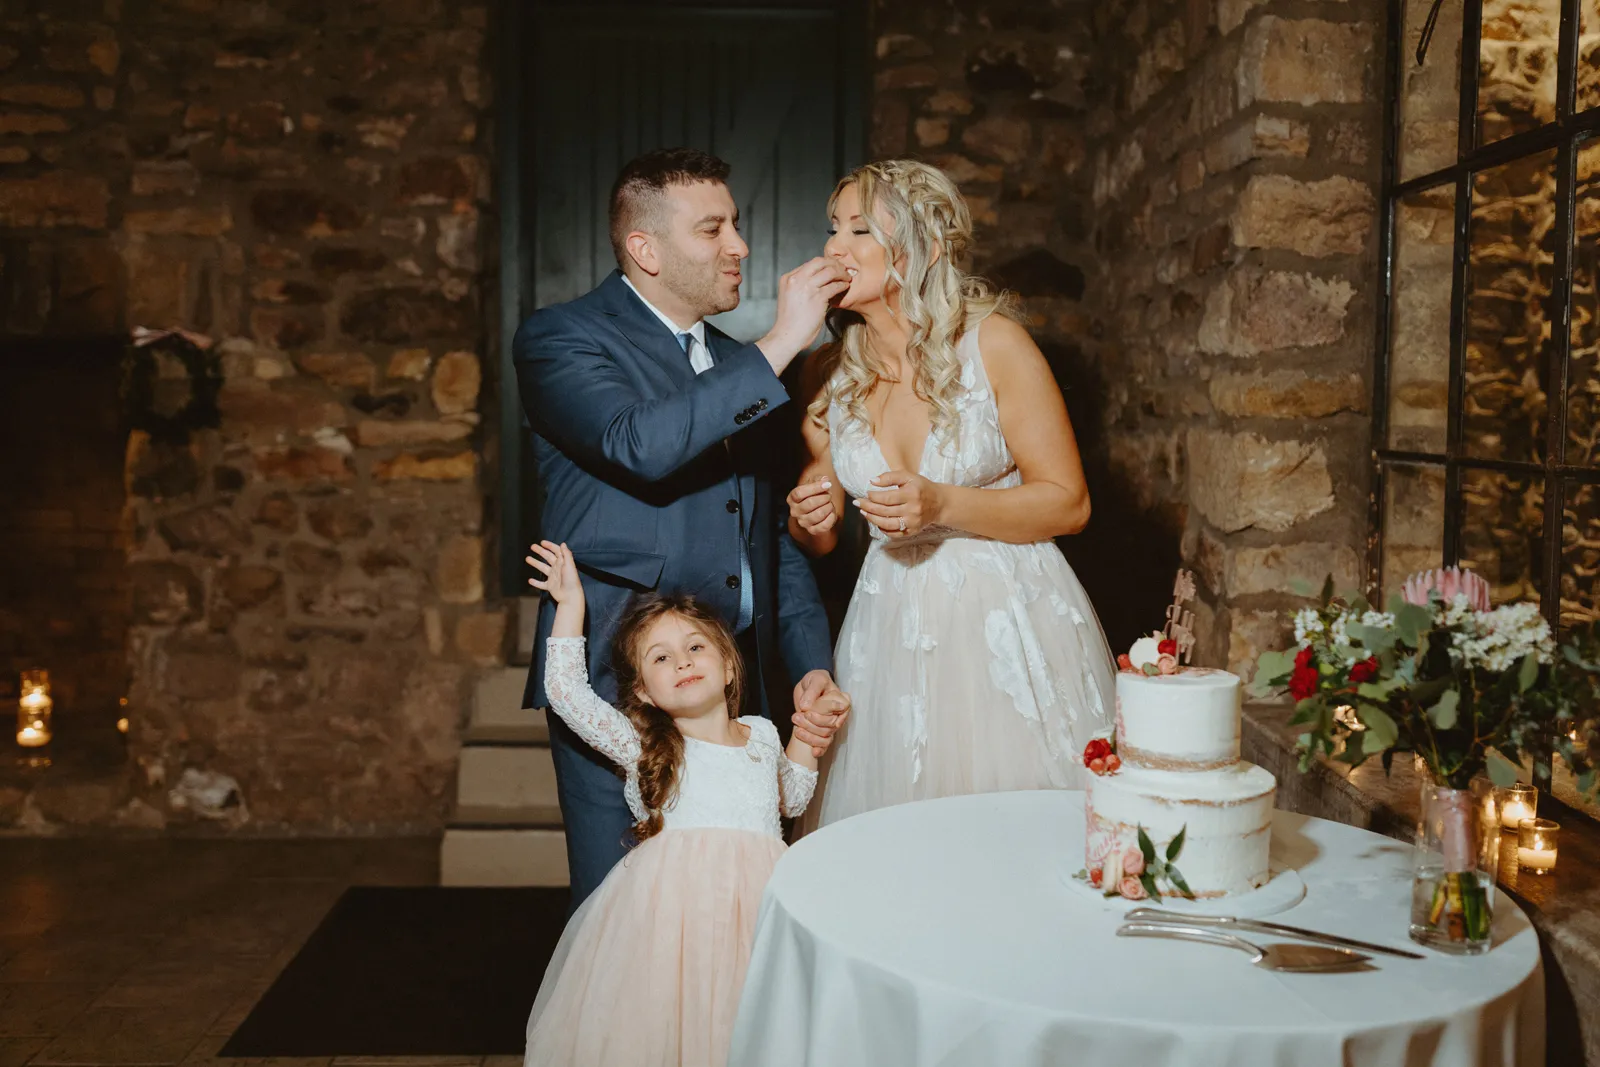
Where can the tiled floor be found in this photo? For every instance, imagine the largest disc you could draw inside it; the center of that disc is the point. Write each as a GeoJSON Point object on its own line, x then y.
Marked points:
{"type": "Point", "coordinates": [152, 952]}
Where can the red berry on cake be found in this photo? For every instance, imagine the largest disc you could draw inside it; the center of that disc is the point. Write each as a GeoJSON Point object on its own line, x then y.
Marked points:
{"type": "Point", "coordinates": [1113, 763]}
{"type": "Point", "coordinates": [1168, 647]}
{"type": "Point", "coordinates": [1096, 876]}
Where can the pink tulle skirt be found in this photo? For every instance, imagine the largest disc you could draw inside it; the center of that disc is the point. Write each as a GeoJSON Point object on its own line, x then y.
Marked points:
{"type": "Point", "coordinates": [650, 967]}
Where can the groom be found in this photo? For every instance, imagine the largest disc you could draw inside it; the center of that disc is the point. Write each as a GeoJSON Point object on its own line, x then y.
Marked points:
{"type": "Point", "coordinates": [658, 464]}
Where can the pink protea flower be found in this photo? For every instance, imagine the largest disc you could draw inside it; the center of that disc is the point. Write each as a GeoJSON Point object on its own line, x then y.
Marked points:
{"type": "Point", "coordinates": [1450, 582]}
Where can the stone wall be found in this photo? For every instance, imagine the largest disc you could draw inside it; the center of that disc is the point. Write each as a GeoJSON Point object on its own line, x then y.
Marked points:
{"type": "Point", "coordinates": [303, 182]}
{"type": "Point", "coordinates": [1235, 172]}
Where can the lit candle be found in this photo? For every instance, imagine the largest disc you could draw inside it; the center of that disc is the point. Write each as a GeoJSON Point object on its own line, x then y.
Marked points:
{"type": "Point", "coordinates": [1518, 802]}
{"type": "Point", "coordinates": [1536, 845]}
{"type": "Point", "coordinates": [33, 710]}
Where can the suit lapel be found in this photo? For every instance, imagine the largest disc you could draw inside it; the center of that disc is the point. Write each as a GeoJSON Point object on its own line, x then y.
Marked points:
{"type": "Point", "coordinates": [642, 329]}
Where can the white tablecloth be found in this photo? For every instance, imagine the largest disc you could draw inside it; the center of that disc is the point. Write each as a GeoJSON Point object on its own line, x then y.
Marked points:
{"type": "Point", "coordinates": [941, 933]}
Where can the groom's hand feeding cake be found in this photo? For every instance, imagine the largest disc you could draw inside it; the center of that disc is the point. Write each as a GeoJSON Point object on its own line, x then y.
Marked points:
{"type": "Point", "coordinates": [1174, 773]}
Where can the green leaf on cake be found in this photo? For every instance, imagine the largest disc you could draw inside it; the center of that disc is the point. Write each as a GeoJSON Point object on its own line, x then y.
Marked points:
{"type": "Point", "coordinates": [1443, 714]}
{"type": "Point", "coordinates": [1178, 883]}
{"type": "Point", "coordinates": [1148, 880]}
{"type": "Point", "coordinates": [1147, 847]}
{"type": "Point", "coordinates": [1175, 846]}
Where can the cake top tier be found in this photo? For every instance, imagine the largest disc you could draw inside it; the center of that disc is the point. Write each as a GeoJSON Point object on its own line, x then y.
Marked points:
{"type": "Point", "coordinates": [1187, 721]}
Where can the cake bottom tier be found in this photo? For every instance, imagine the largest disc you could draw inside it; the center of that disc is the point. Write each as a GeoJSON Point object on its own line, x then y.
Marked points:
{"type": "Point", "coordinates": [1226, 816]}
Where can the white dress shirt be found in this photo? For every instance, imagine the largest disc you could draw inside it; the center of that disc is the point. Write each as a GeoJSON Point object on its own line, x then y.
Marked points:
{"type": "Point", "coordinates": [699, 355]}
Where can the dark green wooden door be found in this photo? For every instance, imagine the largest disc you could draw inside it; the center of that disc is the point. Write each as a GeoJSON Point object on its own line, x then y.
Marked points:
{"type": "Point", "coordinates": [774, 91]}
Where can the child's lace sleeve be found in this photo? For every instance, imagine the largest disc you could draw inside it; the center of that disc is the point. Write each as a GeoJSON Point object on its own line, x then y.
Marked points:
{"type": "Point", "coordinates": [795, 786]}
{"type": "Point", "coordinates": [566, 682]}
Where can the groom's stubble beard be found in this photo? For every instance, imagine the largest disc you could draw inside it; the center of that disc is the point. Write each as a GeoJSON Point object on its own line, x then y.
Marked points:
{"type": "Point", "coordinates": [699, 285]}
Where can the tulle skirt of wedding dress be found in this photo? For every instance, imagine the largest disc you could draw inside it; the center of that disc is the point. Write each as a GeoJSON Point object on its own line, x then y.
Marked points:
{"type": "Point", "coordinates": [973, 666]}
{"type": "Point", "coordinates": [649, 969]}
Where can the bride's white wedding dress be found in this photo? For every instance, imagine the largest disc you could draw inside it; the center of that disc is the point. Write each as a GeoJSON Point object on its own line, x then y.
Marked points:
{"type": "Point", "coordinates": [973, 666]}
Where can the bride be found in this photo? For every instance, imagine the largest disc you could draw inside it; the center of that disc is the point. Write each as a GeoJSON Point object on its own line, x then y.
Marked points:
{"type": "Point", "coordinates": [972, 657]}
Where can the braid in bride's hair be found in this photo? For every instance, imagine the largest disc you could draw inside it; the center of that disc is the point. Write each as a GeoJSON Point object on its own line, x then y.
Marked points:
{"type": "Point", "coordinates": [928, 236]}
{"type": "Point", "coordinates": [660, 742]}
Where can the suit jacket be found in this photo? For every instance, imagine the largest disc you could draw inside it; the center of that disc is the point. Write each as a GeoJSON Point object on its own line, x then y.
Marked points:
{"type": "Point", "coordinates": [639, 483]}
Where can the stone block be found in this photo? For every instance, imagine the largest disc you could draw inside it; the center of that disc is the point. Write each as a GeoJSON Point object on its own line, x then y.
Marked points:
{"type": "Point", "coordinates": [302, 212]}
{"type": "Point", "coordinates": [164, 178]}
{"type": "Point", "coordinates": [410, 364]}
{"type": "Point", "coordinates": [458, 241]}
{"type": "Point", "coordinates": [1330, 217]}
{"type": "Point", "coordinates": [1251, 633]}
{"type": "Point", "coordinates": [31, 124]}
{"type": "Point", "coordinates": [248, 586]}
{"type": "Point", "coordinates": [481, 637]}
{"type": "Point", "coordinates": [339, 518]}
{"type": "Point", "coordinates": [33, 94]}
{"type": "Point", "coordinates": [188, 221]}
{"type": "Point", "coordinates": [287, 328]}
{"type": "Point", "coordinates": [456, 381]}
{"type": "Point", "coordinates": [202, 667]}
{"type": "Point", "coordinates": [377, 433]}
{"type": "Point", "coordinates": [965, 172]}
{"type": "Point", "coordinates": [347, 260]}
{"type": "Point", "coordinates": [439, 180]}
{"type": "Point", "coordinates": [890, 114]}
{"type": "Point", "coordinates": [401, 315]}
{"type": "Point", "coordinates": [1304, 61]}
{"type": "Point", "coordinates": [303, 465]}
{"type": "Point", "coordinates": [1255, 311]}
{"type": "Point", "coordinates": [278, 511]}
{"type": "Point", "coordinates": [164, 593]}
{"type": "Point", "coordinates": [932, 132]}
{"type": "Point", "coordinates": [1280, 568]}
{"type": "Point", "coordinates": [209, 531]}
{"type": "Point", "coordinates": [1004, 138]}
{"type": "Point", "coordinates": [266, 412]}
{"type": "Point", "coordinates": [910, 76]}
{"type": "Point", "coordinates": [948, 102]}
{"type": "Point", "coordinates": [1287, 394]}
{"type": "Point", "coordinates": [58, 199]}
{"type": "Point", "coordinates": [349, 370]}
{"type": "Point", "coordinates": [435, 467]}
{"type": "Point", "coordinates": [1240, 481]}
{"type": "Point", "coordinates": [1258, 137]}
{"type": "Point", "coordinates": [288, 291]}
{"type": "Point", "coordinates": [460, 571]}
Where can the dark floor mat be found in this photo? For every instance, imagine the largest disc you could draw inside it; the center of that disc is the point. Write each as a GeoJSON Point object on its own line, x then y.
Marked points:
{"type": "Point", "coordinates": [411, 971]}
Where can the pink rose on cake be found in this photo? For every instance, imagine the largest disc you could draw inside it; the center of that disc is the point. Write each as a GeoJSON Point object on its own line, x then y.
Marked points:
{"type": "Point", "coordinates": [1167, 664]}
{"type": "Point", "coordinates": [1130, 888]}
{"type": "Point", "coordinates": [1133, 863]}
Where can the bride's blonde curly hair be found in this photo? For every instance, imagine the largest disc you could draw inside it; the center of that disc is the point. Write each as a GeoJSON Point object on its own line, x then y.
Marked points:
{"type": "Point", "coordinates": [931, 230]}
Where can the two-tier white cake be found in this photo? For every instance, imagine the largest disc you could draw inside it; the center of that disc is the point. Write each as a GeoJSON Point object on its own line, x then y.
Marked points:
{"type": "Point", "coordinates": [1177, 743]}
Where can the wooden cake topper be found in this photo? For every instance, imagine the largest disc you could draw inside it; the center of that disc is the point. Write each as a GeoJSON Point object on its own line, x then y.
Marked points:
{"type": "Point", "coordinates": [1180, 622]}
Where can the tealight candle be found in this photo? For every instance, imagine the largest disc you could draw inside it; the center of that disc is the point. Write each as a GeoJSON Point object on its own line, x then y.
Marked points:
{"type": "Point", "coordinates": [1518, 802]}
{"type": "Point", "coordinates": [33, 715]}
{"type": "Point", "coordinates": [1536, 845]}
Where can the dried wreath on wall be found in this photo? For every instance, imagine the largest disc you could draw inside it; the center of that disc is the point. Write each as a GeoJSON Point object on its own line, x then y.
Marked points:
{"type": "Point", "coordinates": [158, 404]}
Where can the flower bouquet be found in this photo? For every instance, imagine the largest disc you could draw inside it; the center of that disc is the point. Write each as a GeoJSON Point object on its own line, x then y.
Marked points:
{"type": "Point", "coordinates": [1464, 687]}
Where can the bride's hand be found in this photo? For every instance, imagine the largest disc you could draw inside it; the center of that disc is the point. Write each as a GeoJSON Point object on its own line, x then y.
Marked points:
{"type": "Point", "coordinates": [811, 505]}
{"type": "Point", "coordinates": [904, 505]}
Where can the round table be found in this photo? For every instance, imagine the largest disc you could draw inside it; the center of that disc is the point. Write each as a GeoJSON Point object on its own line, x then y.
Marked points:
{"type": "Point", "coordinates": [942, 933]}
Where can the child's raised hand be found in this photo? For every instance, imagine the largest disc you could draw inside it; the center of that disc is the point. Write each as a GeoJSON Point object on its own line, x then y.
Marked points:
{"type": "Point", "coordinates": [560, 572]}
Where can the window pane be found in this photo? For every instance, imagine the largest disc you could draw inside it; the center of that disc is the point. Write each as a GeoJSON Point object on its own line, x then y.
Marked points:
{"type": "Point", "coordinates": [1509, 280]}
{"type": "Point", "coordinates": [1430, 94]}
{"type": "Point", "coordinates": [1517, 66]}
{"type": "Point", "coordinates": [1419, 345]}
{"type": "Point", "coordinates": [1413, 523]}
{"type": "Point", "coordinates": [1583, 374]}
{"type": "Point", "coordinates": [1588, 54]}
{"type": "Point", "coordinates": [1502, 531]}
{"type": "Point", "coordinates": [1580, 554]}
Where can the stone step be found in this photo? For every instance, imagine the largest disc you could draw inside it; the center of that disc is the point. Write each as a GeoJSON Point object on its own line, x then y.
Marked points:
{"type": "Point", "coordinates": [498, 817]}
{"type": "Point", "coordinates": [505, 777]}
{"type": "Point", "coordinates": [497, 711]}
{"type": "Point", "coordinates": [534, 856]}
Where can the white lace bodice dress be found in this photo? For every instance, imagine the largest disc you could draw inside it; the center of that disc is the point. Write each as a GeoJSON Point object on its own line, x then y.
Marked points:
{"type": "Point", "coordinates": [650, 967]}
{"type": "Point", "coordinates": [973, 665]}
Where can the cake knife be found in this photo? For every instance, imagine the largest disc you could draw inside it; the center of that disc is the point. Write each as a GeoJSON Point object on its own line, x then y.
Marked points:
{"type": "Point", "coordinates": [1228, 922]}
{"type": "Point", "coordinates": [1279, 956]}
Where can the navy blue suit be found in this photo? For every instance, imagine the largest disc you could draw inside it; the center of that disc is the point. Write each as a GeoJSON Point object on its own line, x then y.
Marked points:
{"type": "Point", "coordinates": [638, 482]}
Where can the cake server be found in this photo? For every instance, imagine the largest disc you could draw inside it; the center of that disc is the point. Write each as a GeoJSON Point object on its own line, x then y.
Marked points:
{"type": "Point", "coordinates": [1228, 922]}
{"type": "Point", "coordinates": [1275, 957]}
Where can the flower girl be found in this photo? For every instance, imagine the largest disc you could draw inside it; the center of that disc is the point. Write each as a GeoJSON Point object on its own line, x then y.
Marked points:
{"type": "Point", "coordinates": [650, 967]}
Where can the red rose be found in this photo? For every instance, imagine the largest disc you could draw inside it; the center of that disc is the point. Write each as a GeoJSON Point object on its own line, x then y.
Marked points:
{"type": "Point", "coordinates": [1168, 647]}
{"type": "Point", "coordinates": [1098, 749]}
{"type": "Point", "coordinates": [1303, 682]}
{"type": "Point", "coordinates": [1365, 671]}
{"type": "Point", "coordinates": [1303, 659]}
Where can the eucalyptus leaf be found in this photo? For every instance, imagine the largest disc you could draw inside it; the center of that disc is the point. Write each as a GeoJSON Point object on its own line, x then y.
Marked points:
{"type": "Point", "coordinates": [1502, 772]}
{"type": "Point", "coordinates": [1327, 590]}
{"type": "Point", "coordinates": [1411, 622]}
{"type": "Point", "coordinates": [1396, 602]}
{"type": "Point", "coordinates": [1529, 672]}
{"type": "Point", "coordinates": [1374, 639]}
{"type": "Point", "coordinates": [1382, 730]}
{"type": "Point", "coordinates": [1443, 714]}
{"type": "Point", "coordinates": [1301, 587]}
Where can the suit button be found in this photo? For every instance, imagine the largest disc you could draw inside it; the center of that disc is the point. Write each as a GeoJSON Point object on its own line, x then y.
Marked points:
{"type": "Point", "coordinates": [741, 418]}
{"type": "Point", "coordinates": [733, 507]}
{"type": "Point", "coordinates": [733, 581]}
{"type": "Point", "coordinates": [761, 405]}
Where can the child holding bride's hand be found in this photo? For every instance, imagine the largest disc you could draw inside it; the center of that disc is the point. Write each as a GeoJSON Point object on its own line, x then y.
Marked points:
{"type": "Point", "coordinates": [650, 967]}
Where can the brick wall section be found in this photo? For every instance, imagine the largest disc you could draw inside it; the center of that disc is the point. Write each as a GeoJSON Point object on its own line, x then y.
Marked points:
{"type": "Point", "coordinates": [1235, 178]}
{"type": "Point", "coordinates": [304, 183]}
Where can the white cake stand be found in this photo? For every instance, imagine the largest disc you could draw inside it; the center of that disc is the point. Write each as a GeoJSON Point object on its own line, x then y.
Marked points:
{"type": "Point", "coordinates": [1284, 889]}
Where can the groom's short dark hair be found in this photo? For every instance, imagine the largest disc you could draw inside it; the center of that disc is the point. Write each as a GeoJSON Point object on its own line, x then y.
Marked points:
{"type": "Point", "coordinates": [637, 197]}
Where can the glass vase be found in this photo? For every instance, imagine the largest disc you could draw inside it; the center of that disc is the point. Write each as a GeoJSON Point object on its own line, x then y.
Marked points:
{"type": "Point", "coordinates": [1452, 887]}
